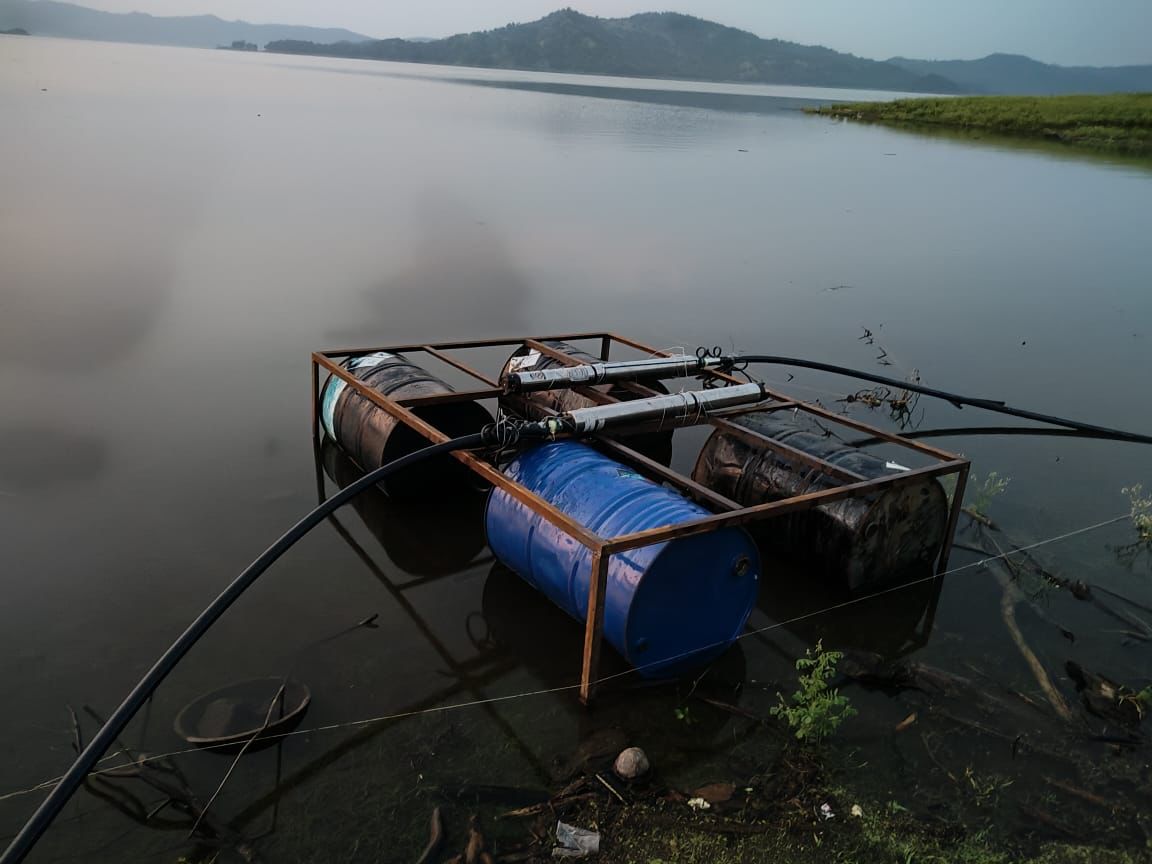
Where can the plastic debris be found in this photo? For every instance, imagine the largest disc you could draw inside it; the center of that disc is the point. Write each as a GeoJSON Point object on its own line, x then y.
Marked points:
{"type": "Point", "coordinates": [698, 804]}
{"type": "Point", "coordinates": [575, 842]}
{"type": "Point", "coordinates": [857, 811]}
{"type": "Point", "coordinates": [826, 812]}
{"type": "Point", "coordinates": [716, 793]}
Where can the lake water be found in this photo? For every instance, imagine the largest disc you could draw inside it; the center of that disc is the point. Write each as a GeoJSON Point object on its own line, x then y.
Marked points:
{"type": "Point", "coordinates": [180, 228]}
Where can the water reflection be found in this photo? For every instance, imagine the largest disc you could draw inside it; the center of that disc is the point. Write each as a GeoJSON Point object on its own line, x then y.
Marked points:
{"type": "Point", "coordinates": [35, 457]}
{"type": "Point", "coordinates": [663, 247]}
{"type": "Point", "coordinates": [986, 138]}
{"type": "Point", "coordinates": [740, 103]}
{"type": "Point", "coordinates": [545, 639]}
{"type": "Point", "coordinates": [459, 277]}
{"type": "Point", "coordinates": [891, 625]}
{"type": "Point", "coordinates": [88, 274]}
{"type": "Point", "coordinates": [472, 673]}
{"type": "Point", "coordinates": [535, 631]}
{"type": "Point", "coordinates": [420, 546]}
{"type": "Point", "coordinates": [117, 292]}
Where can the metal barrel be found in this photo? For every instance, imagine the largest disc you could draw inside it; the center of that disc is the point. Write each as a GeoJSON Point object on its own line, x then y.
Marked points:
{"type": "Point", "coordinates": [875, 538]}
{"type": "Point", "coordinates": [372, 437]}
{"type": "Point", "coordinates": [669, 607]}
{"type": "Point", "coordinates": [542, 403]}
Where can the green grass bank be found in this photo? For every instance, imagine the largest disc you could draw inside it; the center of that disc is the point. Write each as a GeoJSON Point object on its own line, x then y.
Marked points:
{"type": "Point", "coordinates": [1119, 123]}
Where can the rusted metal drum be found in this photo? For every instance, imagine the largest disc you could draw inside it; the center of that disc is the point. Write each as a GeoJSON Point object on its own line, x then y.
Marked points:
{"type": "Point", "coordinates": [372, 437]}
{"type": "Point", "coordinates": [539, 404]}
{"type": "Point", "coordinates": [876, 538]}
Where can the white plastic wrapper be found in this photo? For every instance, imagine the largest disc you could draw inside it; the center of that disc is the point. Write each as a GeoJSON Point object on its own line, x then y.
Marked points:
{"type": "Point", "coordinates": [575, 842]}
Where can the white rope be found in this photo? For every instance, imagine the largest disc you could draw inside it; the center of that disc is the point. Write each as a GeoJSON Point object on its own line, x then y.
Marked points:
{"type": "Point", "coordinates": [527, 694]}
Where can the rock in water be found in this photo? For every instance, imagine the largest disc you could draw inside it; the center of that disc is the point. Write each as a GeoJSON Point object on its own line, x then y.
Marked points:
{"type": "Point", "coordinates": [631, 764]}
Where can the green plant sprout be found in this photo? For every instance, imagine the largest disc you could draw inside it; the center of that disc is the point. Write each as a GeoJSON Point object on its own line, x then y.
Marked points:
{"type": "Point", "coordinates": [684, 715]}
{"type": "Point", "coordinates": [1141, 511]}
{"type": "Point", "coordinates": [992, 486]}
{"type": "Point", "coordinates": [816, 711]}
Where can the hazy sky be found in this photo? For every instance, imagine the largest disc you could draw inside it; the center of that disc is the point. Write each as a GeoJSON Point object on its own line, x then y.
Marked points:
{"type": "Point", "coordinates": [1097, 32]}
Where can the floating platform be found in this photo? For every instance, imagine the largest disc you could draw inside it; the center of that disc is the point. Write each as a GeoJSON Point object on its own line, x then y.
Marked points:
{"type": "Point", "coordinates": [763, 468]}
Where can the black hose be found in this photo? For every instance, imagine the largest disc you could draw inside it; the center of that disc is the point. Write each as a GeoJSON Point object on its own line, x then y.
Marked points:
{"type": "Point", "coordinates": [50, 808]}
{"type": "Point", "coordinates": [966, 431]}
{"type": "Point", "coordinates": [955, 398]}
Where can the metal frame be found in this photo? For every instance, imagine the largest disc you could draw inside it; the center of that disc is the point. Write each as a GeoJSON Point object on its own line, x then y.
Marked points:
{"type": "Point", "coordinates": [602, 548]}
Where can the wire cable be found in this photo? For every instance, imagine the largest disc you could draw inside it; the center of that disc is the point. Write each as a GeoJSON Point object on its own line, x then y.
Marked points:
{"type": "Point", "coordinates": [981, 562]}
{"type": "Point", "coordinates": [72, 779]}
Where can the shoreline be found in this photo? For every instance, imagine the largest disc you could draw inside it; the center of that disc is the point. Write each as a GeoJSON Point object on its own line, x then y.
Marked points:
{"type": "Point", "coordinates": [1116, 123]}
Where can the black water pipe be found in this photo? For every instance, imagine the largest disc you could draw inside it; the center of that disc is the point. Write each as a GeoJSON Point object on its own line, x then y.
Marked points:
{"type": "Point", "coordinates": [955, 398]}
{"type": "Point", "coordinates": [50, 808]}
{"type": "Point", "coordinates": [967, 431]}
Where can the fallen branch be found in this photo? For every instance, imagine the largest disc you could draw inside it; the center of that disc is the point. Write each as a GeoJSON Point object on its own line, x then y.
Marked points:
{"type": "Point", "coordinates": [980, 518]}
{"type": "Point", "coordinates": [77, 738]}
{"type": "Point", "coordinates": [1046, 819]}
{"type": "Point", "coordinates": [732, 709]}
{"type": "Point", "coordinates": [1008, 614]}
{"type": "Point", "coordinates": [545, 806]}
{"type": "Point", "coordinates": [166, 777]}
{"type": "Point", "coordinates": [1139, 624]}
{"type": "Point", "coordinates": [276, 699]}
{"type": "Point", "coordinates": [611, 789]}
{"type": "Point", "coordinates": [1132, 634]}
{"type": "Point", "coordinates": [1084, 794]}
{"type": "Point", "coordinates": [1010, 597]}
{"type": "Point", "coordinates": [1130, 602]}
{"type": "Point", "coordinates": [435, 837]}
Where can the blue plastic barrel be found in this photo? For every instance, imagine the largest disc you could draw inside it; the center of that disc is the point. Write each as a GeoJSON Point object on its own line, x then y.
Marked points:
{"type": "Point", "coordinates": [670, 607]}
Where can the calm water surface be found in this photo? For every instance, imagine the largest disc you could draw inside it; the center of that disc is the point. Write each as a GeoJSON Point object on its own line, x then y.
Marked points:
{"type": "Point", "coordinates": [180, 228]}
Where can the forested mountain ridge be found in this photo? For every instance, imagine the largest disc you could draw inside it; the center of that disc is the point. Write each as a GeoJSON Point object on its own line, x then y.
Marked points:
{"type": "Point", "coordinates": [651, 44]}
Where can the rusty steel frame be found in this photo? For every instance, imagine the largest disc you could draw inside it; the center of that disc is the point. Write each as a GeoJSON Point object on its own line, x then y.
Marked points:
{"type": "Point", "coordinates": [603, 548]}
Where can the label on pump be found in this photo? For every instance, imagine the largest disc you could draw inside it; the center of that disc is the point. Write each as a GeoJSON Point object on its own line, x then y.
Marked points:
{"type": "Point", "coordinates": [524, 361]}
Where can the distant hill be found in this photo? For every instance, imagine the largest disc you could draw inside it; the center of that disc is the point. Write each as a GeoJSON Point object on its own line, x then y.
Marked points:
{"type": "Point", "coordinates": [653, 44]}
{"type": "Point", "coordinates": [49, 18]}
{"type": "Point", "coordinates": [1014, 74]}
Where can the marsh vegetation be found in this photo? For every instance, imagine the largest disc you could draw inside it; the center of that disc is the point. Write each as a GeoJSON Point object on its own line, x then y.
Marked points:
{"type": "Point", "coordinates": [1118, 122]}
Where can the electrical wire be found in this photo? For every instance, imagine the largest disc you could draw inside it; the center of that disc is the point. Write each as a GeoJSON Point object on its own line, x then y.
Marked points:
{"type": "Point", "coordinates": [504, 434]}
{"type": "Point", "coordinates": [982, 562]}
{"type": "Point", "coordinates": [72, 779]}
